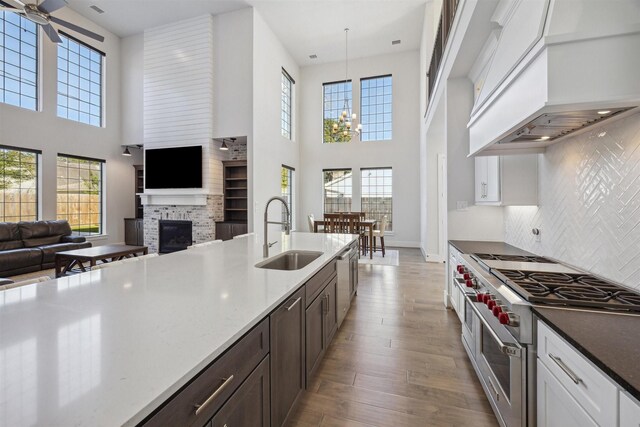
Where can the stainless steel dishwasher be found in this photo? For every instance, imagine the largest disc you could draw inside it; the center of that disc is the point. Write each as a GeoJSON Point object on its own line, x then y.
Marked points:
{"type": "Point", "coordinates": [347, 279]}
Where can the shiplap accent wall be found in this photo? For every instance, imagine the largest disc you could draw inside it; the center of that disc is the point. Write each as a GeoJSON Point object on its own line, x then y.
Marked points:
{"type": "Point", "coordinates": [589, 205]}
{"type": "Point", "coordinates": [178, 91]}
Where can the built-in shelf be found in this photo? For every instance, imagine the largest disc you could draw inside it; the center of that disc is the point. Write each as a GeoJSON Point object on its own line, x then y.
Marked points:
{"type": "Point", "coordinates": [235, 200]}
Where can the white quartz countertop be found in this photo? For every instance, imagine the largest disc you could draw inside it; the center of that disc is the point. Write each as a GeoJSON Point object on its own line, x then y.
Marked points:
{"type": "Point", "coordinates": [107, 347]}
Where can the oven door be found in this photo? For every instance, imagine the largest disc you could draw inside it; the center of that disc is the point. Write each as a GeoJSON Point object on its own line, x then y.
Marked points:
{"type": "Point", "coordinates": [468, 317]}
{"type": "Point", "coordinates": [501, 362]}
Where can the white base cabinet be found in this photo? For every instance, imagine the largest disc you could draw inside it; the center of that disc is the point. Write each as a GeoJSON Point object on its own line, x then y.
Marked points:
{"type": "Point", "coordinates": [556, 407]}
{"type": "Point", "coordinates": [507, 180]}
{"type": "Point", "coordinates": [629, 411]}
{"type": "Point", "coordinates": [572, 391]}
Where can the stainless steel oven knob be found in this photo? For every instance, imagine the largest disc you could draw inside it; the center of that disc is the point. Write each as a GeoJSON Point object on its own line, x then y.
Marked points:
{"type": "Point", "coordinates": [460, 268]}
{"type": "Point", "coordinates": [508, 319]}
{"type": "Point", "coordinates": [471, 283]}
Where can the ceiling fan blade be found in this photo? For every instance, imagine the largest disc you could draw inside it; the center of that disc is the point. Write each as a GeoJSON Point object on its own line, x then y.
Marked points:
{"type": "Point", "coordinates": [51, 33]}
{"type": "Point", "coordinates": [52, 5]}
{"type": "Point", "coordinates": [76, 28]}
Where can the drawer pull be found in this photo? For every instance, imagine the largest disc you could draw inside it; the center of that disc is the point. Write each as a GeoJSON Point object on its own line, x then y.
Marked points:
{"type": "Point", "coordinates": [293, 304]}
{"type": "Point", "coordinates": [215, 394]}
{"type": "Point", "coordinates": [576, 379]}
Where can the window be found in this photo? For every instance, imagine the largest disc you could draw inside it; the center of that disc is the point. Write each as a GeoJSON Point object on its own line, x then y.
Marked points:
{"type": "Point", "coordinates": [286, 104]}
{"type": "Point", "coordinates": [80, 193]}
{"type": "Point", "coordinates": [79, 82]}
{"type": "Point", "coordinates": [18, 184]}
{"type": "Point", "coordinates": [337, 190]}
{"type": "Point", "coordinates": [18, 61]}
{"type": "Point", "coordinates": [287, 183]}
{"type": "Point", "coordinates": [333, 97]}
{"type": "Point", "coordinates": [377, 194]}
{"type": "Point", "coordinates": [375, 102]}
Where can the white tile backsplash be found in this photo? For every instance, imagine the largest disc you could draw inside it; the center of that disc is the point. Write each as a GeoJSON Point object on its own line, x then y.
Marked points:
{"type": "Point", "coordinates": [589, 207]}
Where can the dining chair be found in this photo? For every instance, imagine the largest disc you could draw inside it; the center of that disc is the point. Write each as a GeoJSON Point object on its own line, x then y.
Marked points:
{"type": "Point", "coordinates": [380, 233]}
{"type": "Point", "coordinates": [311, 220]}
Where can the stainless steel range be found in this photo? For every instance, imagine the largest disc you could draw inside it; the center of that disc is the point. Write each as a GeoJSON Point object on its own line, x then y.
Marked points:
{"type": "Point", "coordinates": [498, 325]}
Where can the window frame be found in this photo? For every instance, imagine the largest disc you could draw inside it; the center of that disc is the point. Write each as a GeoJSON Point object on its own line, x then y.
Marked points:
{"type": "Point", "coordinates": [35, 58]}
{"type": "Point", "coordinates": [366, 127]}
{"type": "Point", "coordinates": [324, 195]}
{"type": "Point", "coordinates": [286, 77]}
{"type": "Point", "coordinates": [291, 194]}
{"type": "Point", "coordinates": [101, 107]}
{"type": "Point", "coordinates": [38, 182]}
{"type": "Point", "coordinates": [369, 214]}
{"type": "Point", "coordinates": [101, 221]}
{"type": "Point", "coordinates": [340, 108]}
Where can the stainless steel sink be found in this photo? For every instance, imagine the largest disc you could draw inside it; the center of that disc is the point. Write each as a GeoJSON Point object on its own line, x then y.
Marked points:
{"type": "Point", "coordinates": [290, 260]}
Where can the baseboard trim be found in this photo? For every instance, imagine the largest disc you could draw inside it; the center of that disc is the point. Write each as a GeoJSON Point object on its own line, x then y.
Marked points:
{"type": "Point", "coordinates": [401, 244]}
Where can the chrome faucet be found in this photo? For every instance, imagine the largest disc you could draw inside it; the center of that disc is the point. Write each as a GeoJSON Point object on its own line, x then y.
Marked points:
{"type": "Point", "coordinates": [287, 224]}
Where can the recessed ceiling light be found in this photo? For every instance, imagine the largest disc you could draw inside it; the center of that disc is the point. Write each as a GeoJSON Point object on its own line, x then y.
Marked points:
{"type": "Point", "coordinates": [314, 56]}
{"type": "Point", "coordinates": [97, 9]}
{"type": "Point", "coordinates": [544, 138]}
{"type": "Point", "coordinates": [604, 112]}
{"type": "Point", "coordinates": [394, 42]}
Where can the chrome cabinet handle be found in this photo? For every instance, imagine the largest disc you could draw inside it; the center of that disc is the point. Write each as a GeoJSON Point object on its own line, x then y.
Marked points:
{"type": "Point", "coordinates": [576, 379]}
{"type": "Point", "coordinates": [225, 384]}
{"type": "Point", "coordinates": [293, 304]}
{"type": "Point", "coordinates": [511, 350]}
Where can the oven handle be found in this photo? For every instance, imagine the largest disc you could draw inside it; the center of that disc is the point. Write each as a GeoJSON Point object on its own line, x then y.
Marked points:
{"type": "Point", "coordinates": [511, 350]}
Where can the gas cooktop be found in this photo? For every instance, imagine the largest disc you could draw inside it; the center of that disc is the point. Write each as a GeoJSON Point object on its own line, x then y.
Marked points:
{"type": "Point", "coordinates": [517, 258]}
{"type": "Point", "coordinates": [569, 289]}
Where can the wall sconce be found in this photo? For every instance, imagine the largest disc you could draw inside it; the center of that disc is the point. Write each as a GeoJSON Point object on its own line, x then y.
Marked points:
{"type": "Point", "coordinates": [126, 151]}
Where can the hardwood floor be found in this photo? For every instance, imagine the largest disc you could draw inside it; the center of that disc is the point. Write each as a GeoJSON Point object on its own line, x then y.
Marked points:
{"type": "Point", "coordinates": [397, 360]}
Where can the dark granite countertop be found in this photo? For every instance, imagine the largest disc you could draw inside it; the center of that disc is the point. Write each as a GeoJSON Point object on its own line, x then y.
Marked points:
{"type": "Point", "coordinates": [610, 341]}
{"type": "Point", "coordinates": [483, 247]}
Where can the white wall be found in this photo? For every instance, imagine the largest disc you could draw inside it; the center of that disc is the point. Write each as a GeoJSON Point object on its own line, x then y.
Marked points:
{"type": "Point", "coordinates": [589, 200]}
{"type": "Point", "coordinates": [270, 150]}
{"type": "Point", "coordinates": [45, 131]}
{"type": "Point", "coordinates": [401, 153]}
{"type": "Point", "coordinates": [131, 77]}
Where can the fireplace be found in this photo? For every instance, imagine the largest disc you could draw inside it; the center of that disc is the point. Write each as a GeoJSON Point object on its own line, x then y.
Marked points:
{"type": "Point", "coordinates": [174, 235]}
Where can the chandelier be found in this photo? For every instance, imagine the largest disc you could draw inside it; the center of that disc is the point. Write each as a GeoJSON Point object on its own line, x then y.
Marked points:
{"type": "Point", "coordinates": [346, 123]}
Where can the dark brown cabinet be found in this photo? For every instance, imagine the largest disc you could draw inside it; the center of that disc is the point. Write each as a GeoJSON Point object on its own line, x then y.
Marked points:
{"type": "Point", "coordinates": [235, 200]}
{"type": "Point", "coordinates": [207, 393]}
{"type": "Point", "coordinates": [322, 323]}
{"type": "Point", "coordinates": [226, 230]}
{"type": "Point", "coordinates": [134, 231]}
{"type": "Point", "coordinates": [249, 405]}
{"type": "Point", "coordinates": [287, 349]}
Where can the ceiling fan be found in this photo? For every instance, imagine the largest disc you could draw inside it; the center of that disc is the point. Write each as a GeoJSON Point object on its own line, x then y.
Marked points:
{"type": "Point", "coordinates": [41, 15]}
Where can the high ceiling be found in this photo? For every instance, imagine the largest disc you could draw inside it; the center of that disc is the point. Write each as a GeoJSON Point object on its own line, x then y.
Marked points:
{"type": "Point", "coordinates": [304, 27]}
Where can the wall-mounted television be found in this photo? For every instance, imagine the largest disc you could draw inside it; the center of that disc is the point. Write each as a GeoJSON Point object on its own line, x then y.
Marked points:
{"type": "Point", "coordinates": [179, 167]}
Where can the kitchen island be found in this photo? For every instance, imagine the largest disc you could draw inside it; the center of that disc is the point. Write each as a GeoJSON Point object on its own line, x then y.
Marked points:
{"type": "Point", "coordinates": [110, 346]}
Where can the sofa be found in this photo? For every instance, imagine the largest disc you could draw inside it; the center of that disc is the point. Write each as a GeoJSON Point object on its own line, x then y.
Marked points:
{"type": "Point", "coordinates": [31, 246]}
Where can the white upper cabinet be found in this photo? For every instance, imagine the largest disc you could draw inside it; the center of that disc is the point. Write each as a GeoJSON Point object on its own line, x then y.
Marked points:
{"type": "Point", "coordinates": [507, 180]}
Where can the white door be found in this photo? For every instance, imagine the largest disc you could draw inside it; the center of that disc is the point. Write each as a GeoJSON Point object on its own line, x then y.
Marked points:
{"type": "Point", "coordinates": [492, 192]}
{"type": "Point", "coordinates": [556, 407]}
{"type": "Point", "coordinates": [481, 178]}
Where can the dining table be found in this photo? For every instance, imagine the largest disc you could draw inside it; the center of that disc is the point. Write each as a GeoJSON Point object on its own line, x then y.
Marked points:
{"type": "Point", "coordinates": [366, 223]}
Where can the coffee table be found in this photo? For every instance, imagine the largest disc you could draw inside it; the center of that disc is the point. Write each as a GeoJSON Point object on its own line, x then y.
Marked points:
{"type": "Point", "coordinates": [108, 253]}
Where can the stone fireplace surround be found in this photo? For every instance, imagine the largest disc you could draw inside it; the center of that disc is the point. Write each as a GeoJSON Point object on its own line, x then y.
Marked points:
{"type": "Point", "coordinates": [203, 218]}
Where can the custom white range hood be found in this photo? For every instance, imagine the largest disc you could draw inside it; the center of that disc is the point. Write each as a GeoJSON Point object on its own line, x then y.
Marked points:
{"type": "Point", "coordinates": [552, 68]}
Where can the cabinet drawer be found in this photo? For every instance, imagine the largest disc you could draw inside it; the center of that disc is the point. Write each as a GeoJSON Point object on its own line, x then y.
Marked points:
{"type": "Point", "coordinates": [315, 285]}
{"type": "Point", "coordinates": [629, 411]}
{"type": "Point", "coordinates": [223, 377]}
{"type": "Point", "coordinates": [584, 382]}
